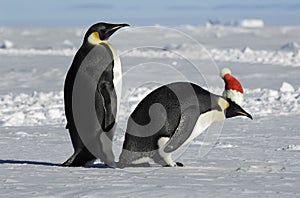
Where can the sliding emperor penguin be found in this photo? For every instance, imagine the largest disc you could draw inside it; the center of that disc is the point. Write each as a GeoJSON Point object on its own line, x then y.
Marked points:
{"type": "Point", "coordinates": [91, 95]}
{"type": "Point", "coordinates": [169, 117]}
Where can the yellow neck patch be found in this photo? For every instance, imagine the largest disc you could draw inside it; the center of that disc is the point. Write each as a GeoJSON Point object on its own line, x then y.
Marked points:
{"type": "Point", "coordinates": [94, 38]}
{"type": "Point", "coordinates": [223, 103]}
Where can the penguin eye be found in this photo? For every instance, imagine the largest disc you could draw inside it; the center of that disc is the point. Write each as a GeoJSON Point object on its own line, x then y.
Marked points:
{"type": "Point", "coordinates": [94, 38]}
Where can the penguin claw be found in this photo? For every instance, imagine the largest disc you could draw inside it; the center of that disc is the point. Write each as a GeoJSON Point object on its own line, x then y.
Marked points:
{"type": "Point", "coordinates": [176, 164]}
{"type": "Point", "coordinates": [179, 164]}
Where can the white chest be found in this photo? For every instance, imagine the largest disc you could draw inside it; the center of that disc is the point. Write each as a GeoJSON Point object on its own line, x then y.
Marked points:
{"type": "Point", "coordinates": [204, 121]}
{"type": "Point", "coordinates": [117, 75]}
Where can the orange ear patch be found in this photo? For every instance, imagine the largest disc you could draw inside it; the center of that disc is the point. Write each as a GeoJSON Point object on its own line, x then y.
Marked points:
{"type": "Point", "coordinates": [94, 38]}
{"type": "Point", "coordinates": [223, 103]}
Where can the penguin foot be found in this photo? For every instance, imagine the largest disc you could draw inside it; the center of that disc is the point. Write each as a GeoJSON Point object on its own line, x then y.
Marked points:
{"type": "Point", "coordinates": [170, 165]}
{"type": "Point", "coordinates": [176, 164]}
{"type": "Point", "coordinates": [79, 158]}
{"type": "Point", "coordinates": [66, 163]}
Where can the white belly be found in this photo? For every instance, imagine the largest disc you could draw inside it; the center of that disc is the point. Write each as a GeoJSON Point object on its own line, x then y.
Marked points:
{"type": "Point", "coordinates": [117, 79]}
{"type": "Point", "coordinates": [203, 122]}
{"type": "Point", "coordinates": [117, 75]}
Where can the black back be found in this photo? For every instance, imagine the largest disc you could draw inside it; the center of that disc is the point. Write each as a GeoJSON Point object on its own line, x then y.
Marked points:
{"type": "Point", "coordinates": [174, 98]}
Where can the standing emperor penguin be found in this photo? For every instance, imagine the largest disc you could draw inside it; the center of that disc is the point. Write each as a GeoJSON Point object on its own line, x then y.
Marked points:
{"type": "Point", "coordinates": [169, 117]}
{"type": "Point", "coordinates": [92, 93]}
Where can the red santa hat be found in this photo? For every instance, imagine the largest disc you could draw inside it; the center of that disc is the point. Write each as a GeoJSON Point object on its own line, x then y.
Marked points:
{"type": "Point", "coordinates": [233, 88]}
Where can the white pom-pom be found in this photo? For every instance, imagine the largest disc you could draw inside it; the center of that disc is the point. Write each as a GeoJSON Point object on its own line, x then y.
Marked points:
{"type": "Point", "coordinates": [234, 95]}
{"type": "Point", "coordinates": [224, 71]}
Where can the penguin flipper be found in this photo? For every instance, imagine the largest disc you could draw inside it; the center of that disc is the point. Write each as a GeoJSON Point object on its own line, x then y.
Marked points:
{"type": "Point", "coordinates": [184, 130]}
{"type": "Point", "coordinates": [104, 97]}
{"type": "Point", "coordinates": [109, 94]}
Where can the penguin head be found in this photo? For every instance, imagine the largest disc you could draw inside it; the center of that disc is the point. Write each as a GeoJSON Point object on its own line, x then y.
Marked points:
{"type": "Point", "coordinates": [232, 109]}
{"type": "Point", "coordinates": [101, 32]}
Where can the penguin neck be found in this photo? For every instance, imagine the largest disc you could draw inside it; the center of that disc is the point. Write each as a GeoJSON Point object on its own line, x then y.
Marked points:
{"type": "Point", "coordinates": [204, 121]}
{"type": "Point", "coordinates": [117, 80]}
{"type": "Point", "coordinates": [106, 42]}
{"type": "Point", "coordinates": [117, 72]}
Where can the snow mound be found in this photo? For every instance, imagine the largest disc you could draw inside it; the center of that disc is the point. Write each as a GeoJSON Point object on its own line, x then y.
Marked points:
{"type": "Point", "coordinates": [277, 102]}
{"type": "Point", "coordinates": [247, 50]}
{"type": "Point", "coordinates": [286, 87]}
{"type": "Point", "coordinates": [6, 44]}
{"type": "Point", "coordinates": [290, 47]}
{"type": "Point", "coordinates": [46, 108]}
{"type": "Point", "coordinates": [32, 109]}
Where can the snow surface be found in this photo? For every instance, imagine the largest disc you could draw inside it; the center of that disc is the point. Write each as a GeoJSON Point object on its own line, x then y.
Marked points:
{"type": "Point", "coordinates": [258, 158]}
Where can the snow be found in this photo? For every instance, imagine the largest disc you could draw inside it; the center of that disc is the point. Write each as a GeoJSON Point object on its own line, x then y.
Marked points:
{"type": "Point", "coordinates": [237, 158]}
{"type": "Point", "coordinates": [290, 148]}
{"type": "Point", "coordinates": [246, 55]}
{"type": "Point", "coordinates": [245, 23]}
{"type": "Point", "coordinates": [247, 50]}
{"type": "Point", "coordinates": [252, 23]}
{"type": "Point", "coordinates": [291, 46]}
{"type": "Point", "coordinates": [286, 87]}
{"type": "Point", "coordinates": [47, 108]}
{"type": "Point", "coordinates": [6, 44]}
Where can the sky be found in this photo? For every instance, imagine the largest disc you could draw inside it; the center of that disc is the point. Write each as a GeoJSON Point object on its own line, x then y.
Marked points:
{"type": "Point", "coordinates": [142, 12]}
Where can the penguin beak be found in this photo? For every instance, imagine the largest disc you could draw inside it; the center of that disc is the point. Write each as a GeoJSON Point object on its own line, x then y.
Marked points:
{"type": "Point", "coordinates": [111, 30]}
{"type": "Point", "coordinates": [244, 113]}
{"type": "Point", "coordinates": [118, 26]}
{"type": "Point", "coordinates": [235, 110]}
